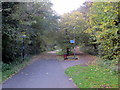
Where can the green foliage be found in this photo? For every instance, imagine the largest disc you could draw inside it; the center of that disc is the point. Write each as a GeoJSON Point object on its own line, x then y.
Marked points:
{"type": "Point", "coordinates": [34, 20]}
{"type": "Point", "coordinates": [112, 65]}
{"type": "Point", "coordinates": [62, 52]}
{"type": "Point", "coordinates": [95, 30]}
{"type": "Point", "coordinates": [88, 49]}
{"type": "Point", "coordinates": [92, 77]}
{"type": "Point", "coordinates": [71, 27]}
{"type": "Point", "coordinates": [10, 69]}
{"type": "Point", "coordinates": [102, 27]}
{"type": "Point", "coordinates": [0, 72]}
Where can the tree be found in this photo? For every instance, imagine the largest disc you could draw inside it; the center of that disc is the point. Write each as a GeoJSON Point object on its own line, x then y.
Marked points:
{"type": "Point", "coordinates": [32, 19]}
{"type": "Point", "coordinates": [72, 24]}
{"type": "Point", "coordinates": [102, 27]}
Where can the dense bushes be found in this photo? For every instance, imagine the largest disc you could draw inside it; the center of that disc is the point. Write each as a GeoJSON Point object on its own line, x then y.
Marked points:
{"type": "Point", "coordinates": [102, 24]}
{"type": "Point", "coordinates": [89, 49]}
{"type": "Point", "coordinates": [103, 30]}
{"type": "Point", "coordinates": [101, 19]}
{"type": "Point", "coordinates": [112, 65]}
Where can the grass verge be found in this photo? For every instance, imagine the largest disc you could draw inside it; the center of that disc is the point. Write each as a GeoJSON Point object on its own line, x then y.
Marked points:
{"type": "Point", "coordinates": [8, 70]}
{"type": "Point", "coordinates": [92, 77]}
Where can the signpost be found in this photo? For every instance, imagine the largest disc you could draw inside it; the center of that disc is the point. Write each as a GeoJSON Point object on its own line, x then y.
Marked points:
{"type": "Point", "coordinates": [73, 41]}
{"type": "Point", "coordinates": [23, 46]}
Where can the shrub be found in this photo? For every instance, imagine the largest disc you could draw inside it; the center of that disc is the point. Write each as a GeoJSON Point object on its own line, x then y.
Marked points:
{"type": "Point", "coordinates": [112, 65]}
{"type": "Point", "coordinates": [89, 50]}
{"type": "Point", "coordinates": [62, 52]}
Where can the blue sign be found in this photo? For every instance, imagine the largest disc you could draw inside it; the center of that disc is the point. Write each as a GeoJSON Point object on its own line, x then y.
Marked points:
{"type": "Point", "coordinates": [72, 41]}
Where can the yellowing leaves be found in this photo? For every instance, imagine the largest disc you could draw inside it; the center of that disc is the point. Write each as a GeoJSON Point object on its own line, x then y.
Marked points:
{"type": "Point", "coordinates": [105, 10]}
{"type": "Point", "coordinates": [88, 31]}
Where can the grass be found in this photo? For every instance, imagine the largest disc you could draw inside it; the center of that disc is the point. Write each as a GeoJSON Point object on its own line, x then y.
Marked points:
{"type": "Point", "coordinates": [8, 70]}
{"type": "Point", "coordinates": [92, 77]}
{"type": "Point", "coordinates": [62, 53]}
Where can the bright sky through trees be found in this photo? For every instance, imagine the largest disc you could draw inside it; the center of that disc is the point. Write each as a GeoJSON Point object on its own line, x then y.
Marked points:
{"type": "Point", "coordinates": [64, 6]}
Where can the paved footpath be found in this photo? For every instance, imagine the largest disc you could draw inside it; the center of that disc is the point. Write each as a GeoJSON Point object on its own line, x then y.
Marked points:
{"type": "Point", "coordinates": [45, 72]}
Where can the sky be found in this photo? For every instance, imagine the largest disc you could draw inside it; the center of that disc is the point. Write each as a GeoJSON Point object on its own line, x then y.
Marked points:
{"type": "Point", "coordinates": [64, 6]}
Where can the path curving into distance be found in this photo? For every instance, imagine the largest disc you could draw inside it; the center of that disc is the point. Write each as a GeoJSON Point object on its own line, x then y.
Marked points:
{"type": "Point", "coordinates": [46, 72]}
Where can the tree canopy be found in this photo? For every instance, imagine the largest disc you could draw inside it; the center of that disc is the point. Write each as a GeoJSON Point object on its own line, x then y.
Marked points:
{"type": "Point", "coordinates": [95, 25]}
{"type": "Point", "coordinates": [34, 20]}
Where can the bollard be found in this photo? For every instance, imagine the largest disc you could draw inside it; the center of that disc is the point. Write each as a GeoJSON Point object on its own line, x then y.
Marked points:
{"type": "Point", "coordinates": [65, 56]}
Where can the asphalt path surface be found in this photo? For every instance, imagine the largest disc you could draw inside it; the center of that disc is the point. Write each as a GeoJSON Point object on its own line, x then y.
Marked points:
{"type": "Point", "coordinates": [45, 72]}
